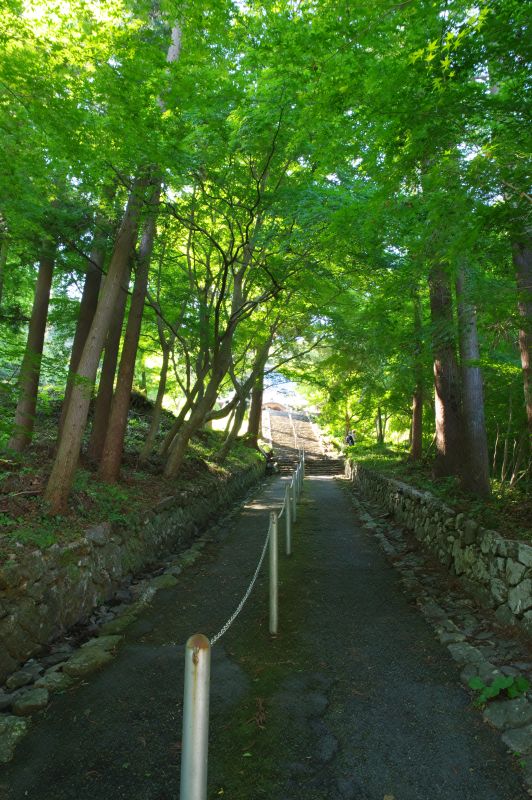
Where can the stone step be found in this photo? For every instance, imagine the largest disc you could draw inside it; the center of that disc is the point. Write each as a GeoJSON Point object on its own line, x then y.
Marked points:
{"type": "Point", "coordinates": [324, 467]}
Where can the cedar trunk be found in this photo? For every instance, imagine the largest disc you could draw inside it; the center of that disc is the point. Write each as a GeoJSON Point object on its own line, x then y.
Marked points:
{"type": "Point", "coordinates": [447, 400]}
{"type": "Point", "coordinates": [104, 398]}
{"type": "Point", "coordinates": [522, 258]}
{"type": "Point", "coordinates": [30, 369]}
{"type": "Point", "coordinates": [89, 297]}
{"type": "Point", "coordinates": [116, 429]}
{"type": "Point", "coordinates": [3, 259]}
{"type": "Point", "coordinates": [477, 477]}
{"type": "Point", "coordinates": [87, 309]}
{"type": "Point", "coordinates": [67, 456]}
{"type": "Point", "coordinates": [416, 443]}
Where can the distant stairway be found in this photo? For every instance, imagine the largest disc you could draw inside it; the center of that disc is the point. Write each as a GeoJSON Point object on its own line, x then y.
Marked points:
{"type": "Point", "coordinates": [324, 466]}
{"type": "Point", "coordinates": [293, 431]}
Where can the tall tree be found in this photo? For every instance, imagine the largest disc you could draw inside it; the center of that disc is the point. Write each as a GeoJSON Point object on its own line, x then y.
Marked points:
{"type": "Point", "coordinates": [476, 477]}
{"type": "Point", "coordinates": [30, 369]}
{"type": "Point", "coordinates": [114, 440]}
{"type": "Point", "coordinates": [65, 463]}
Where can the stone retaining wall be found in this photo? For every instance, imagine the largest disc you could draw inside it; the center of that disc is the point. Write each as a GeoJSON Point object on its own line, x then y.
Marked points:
{"type": "Point", "coordinates": [45, 592]}
{"type": "Point", "coordinates": [495, 570]}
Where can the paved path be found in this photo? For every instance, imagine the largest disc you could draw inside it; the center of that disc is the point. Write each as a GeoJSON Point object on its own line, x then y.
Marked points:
{"type": "Point", "coordinates": [355, 700]}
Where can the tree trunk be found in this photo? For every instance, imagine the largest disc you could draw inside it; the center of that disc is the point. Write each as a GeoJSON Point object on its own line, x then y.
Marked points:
{"type": "Point", "coordinates": [447, 400]}
{"type": "Point", "coordinates": [87, 309]}
{"type": "Point", "coordinates": [174, 430]}
{"type": "Point", "coordinates": [116, 429]}
{"type": "Point", "coordinates": [3, 259]}
{"type": "Point", "coordinates": [104, 398]}
{"type": "Point", "coordinates": [476, 478]}
{"type": "Point", "coordinates": [66, 459]}
{"type": "Point", "coordinates": [255, 410]}
{"type": "Point", "coordinates": [30, 369]}
{"type": "Point", "coordinates": [231, 438]}
{"type": "Point", "coordinates": [199, 411]}
{"type": "Point", "coordinates": [187, 431]}
{"type": "Point", "coordinates": [416, 431]}
{"type": "Point", "coordinates": [91, 291]}
{"type": "Point", "coordinates": [379, 425]}
{"type": "Point", "coordinates": [143, 382]}
{"type": "Point", "coordinates": [157, 409]}
{"type": "Point", "coordinates": [522, 258]}
{"type": "Point", "coordinates": [229, 423]}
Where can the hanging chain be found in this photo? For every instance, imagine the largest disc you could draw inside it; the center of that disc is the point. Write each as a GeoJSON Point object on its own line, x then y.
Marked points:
{"type": "Point", "coordinates": [248, 592]}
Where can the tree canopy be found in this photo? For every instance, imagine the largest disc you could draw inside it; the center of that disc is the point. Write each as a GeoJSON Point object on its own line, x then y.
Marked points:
{"type": "Point", "coordinates": [195, 194]}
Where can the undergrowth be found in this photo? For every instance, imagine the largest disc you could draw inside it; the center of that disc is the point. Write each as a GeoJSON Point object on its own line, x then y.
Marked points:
{"type": "Point", "coordinates": [509, 510]}
{"type": "Point", "coordinates": [24, 517]}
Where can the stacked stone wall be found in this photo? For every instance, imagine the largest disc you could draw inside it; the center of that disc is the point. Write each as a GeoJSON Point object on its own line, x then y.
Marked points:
{"type": "Point", "coordinates": [495, 570]}
{"type": "Point", "coordinates": [43, 593]}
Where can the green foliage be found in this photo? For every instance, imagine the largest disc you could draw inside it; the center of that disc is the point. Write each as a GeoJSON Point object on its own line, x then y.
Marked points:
{"type": "Point", "coordinates": [513, 687]}
{"type": "Point", "coordinates": [111, 502]}
{"type": "Point", "coordinates": [317, 159]}
{"type": "Point", "coordinates": [507, 510]}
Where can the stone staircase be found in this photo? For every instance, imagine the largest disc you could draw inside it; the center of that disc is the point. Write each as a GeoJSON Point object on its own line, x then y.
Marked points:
{"type": "Point", "coordinates": [285, 445]}
{"type": "Point", "coordinates": [324, 466]}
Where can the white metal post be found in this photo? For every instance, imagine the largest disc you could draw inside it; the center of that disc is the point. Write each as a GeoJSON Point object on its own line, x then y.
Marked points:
{"type": "Point", "coordinates": [288, 521]}
{"type": "Point", "coordinates": [294, 499]}
{"type": "Point", "coordinates": [273, 573]}
{"type": "Point", "coordinates": [195, 742]}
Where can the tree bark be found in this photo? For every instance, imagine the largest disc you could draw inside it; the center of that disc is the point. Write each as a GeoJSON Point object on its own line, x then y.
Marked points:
{"type": "Point", "coordinates": [476, 478]}
{"type": "Point", "coordinates": [4, 246]}
{"type": "Point", "coordinates": [66, 459]}
{"type": "Point", "coordinates": [522, 258]}
{"type": "Point", "coordinates": [447, 399]}
{"type": "Point", "coordinates": [255, 410]}
{"type": "Point", "coordinates": [104, 398]}
{"type": "Point", "coordinates": [87, 309]}
{"type": "Point", "coordinates": [30, 369]}
{"type": "Point", "coordinates": [255, 380]}
{"type": "Point", "coordinates": [91, 291]}
{"type": "Point", "coordinates": [157, 409]}
{"type": "Point", "coordinates": [189, 428]}
{"type": "Point", "coordinates": [231, 437]}
{"type": "Point", "coordinates": [174, 430]}
{"type": "Point", "coordinates": [379, 425]}
{"type": "Point", "coordinates": [116, 429]}
{"type": "Point", "coordinates": [201, 409]}
{"type": "Point", "coordinates": [416, 439]}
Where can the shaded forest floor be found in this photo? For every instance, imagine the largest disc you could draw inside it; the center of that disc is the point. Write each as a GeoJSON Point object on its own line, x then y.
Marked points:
{"type": "Point", "coordinates": [24, 518]}
{"type": "Point", "coordinates": [509, 510]}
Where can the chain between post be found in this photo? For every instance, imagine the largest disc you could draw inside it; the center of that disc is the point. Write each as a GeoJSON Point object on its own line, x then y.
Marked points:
{"type": "Point", "coordinates": [246, 595]}
{"type": "Point", "coordinates": [240, 606]}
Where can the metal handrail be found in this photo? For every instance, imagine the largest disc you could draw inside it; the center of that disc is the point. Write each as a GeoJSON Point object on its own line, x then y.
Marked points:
{"type": "Point", "coordinates": [198, 651]}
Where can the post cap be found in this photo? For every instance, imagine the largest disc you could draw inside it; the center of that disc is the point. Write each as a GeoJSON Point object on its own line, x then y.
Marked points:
{"type": "Point", "coordinates": [198, 642]}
